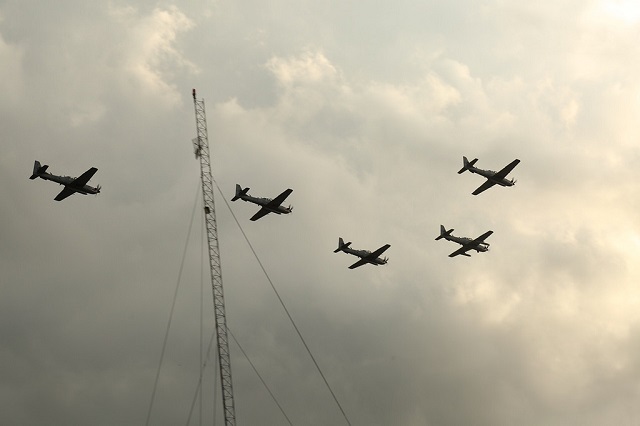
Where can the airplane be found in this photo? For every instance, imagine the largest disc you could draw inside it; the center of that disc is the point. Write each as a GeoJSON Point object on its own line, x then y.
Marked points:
{"type": "Point", "coordinates": [364, 255]}
{"type": "Point", "coordinates": [71, 185]}
{"type": "Point", "coordinates": [493, 178]}
{"type": "Point", "coordinates": [268, 205]}
{"type": "Point", "coordinates": [477, 244]}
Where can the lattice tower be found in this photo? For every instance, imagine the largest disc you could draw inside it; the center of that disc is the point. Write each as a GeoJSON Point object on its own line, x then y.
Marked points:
{"type": "Point", "coordinates": [201, 148]}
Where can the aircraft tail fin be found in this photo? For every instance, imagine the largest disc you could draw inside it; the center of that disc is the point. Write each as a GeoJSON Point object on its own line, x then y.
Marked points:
{"type": "Point", "coordinates": [239, 192]}
{"type": "Point", "coordinates": [466, 164]}
{"type": "Point", "coordinates": [38, 169]}
{"type": "Point", "coordinates": [444, 233]}
{"type": "Point", "coordinates": [342, 245]}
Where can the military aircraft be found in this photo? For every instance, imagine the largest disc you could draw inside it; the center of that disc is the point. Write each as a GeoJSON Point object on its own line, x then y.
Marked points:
{"type": "Point", "coordinates": [364, 255]}
{"type": "Point", "coordinates": [71, 185]}
{"type": "Point", "coordinates": [477, 244]}
{"type": "Point", "coordinates": [268, 205]}
{"type": "Point", "coordinates": [492, 177]}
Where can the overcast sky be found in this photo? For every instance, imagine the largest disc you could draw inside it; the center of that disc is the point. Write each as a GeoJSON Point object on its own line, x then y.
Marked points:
{"type": "Point", "coordinates": [365, 110]}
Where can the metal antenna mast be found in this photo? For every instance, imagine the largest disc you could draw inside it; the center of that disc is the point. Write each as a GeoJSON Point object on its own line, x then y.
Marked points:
{"type": "Point", "coordinates": [201, 147]}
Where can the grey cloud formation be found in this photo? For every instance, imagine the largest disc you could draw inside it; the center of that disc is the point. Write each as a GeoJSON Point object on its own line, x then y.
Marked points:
{"type": "Point", "coordinates": [365, 110]}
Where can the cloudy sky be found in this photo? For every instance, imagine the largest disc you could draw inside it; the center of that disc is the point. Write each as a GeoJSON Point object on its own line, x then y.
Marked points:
{"type": "Point", "coordinates": [365, 110]}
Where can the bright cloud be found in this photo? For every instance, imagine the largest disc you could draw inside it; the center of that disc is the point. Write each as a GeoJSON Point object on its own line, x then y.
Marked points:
{"type": "Point", "coordinates": [151, 54]}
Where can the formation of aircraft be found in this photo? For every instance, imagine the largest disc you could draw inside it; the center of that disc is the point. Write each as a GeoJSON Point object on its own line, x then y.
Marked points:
{"type": "Point", "coordinates": [71, 185]}
{"type": "Point", "coordinates": [467, 244]}
{"type": "Point", "coordinates": [493, 178]}
{"type": "Point", "coordinates": [267, 205]}
{"type": "Point", "coordinates": [364, 255]}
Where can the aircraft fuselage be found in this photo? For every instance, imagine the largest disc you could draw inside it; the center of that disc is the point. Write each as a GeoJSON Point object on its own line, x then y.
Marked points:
{"type": "Point", "coordinates": [66, 180]}
{"type": "Point", "coordinates": [363, 254]}
{"type": "Point", "coordinates": [465, 241]}
{"type": "Point", "coordinates": [490, 174]}
{"type": "Point", "coordinates": [264, 202]}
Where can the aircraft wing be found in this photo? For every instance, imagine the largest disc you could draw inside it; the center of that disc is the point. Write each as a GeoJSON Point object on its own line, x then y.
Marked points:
{"type": "Point", "coordinates": [481, 238]}
{"type": "Point", "coordinates": [280, 198]}
{"type": "Point", "coordinates": [262, 212]}
{"type": "Point", "coordinates": [378, 252]}
{"type": "Point", "coordinates": [505, 171]}
{"type": "Point", "coordinates": [82, 180]}
{"type": "Point", "coordinates": [68, 190]}
{"type": "Point", "coordinates": [359, 263]}
{"type": "Point", "coordinates": [488, 184]}
{"type": "Point", "coordinates": [462, 250]}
